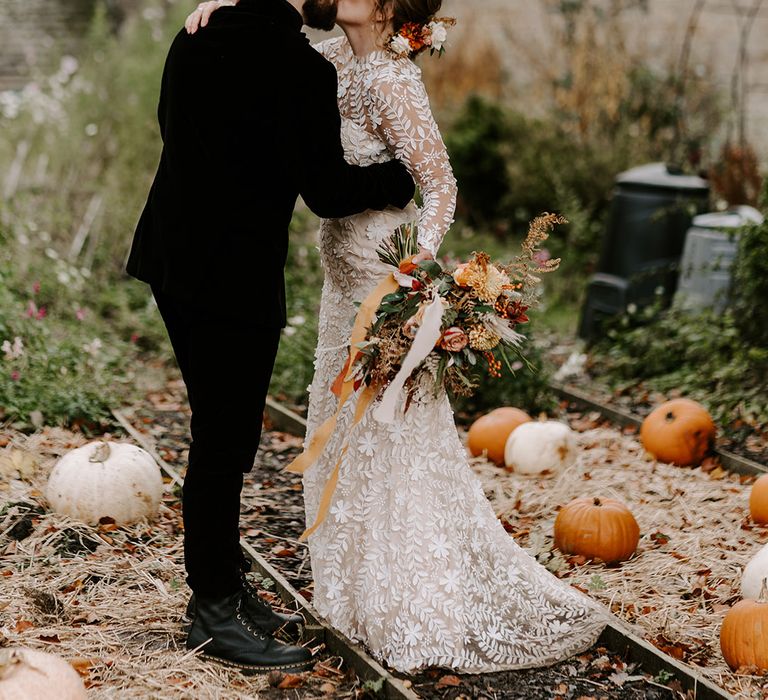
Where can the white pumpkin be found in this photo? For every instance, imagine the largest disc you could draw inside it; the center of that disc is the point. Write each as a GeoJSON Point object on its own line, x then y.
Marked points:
{"type": "Point", "coordinates": [106, 479]}
{"type": "Point", "coordinates": [27, 674]}
{"type": "Point", "coordinates": [754, 573]}
{"type": "Point", "coordinates": [540, 448]}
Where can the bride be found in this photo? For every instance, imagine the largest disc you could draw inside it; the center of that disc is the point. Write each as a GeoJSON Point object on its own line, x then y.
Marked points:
{"type": "Point", "coordinates": [411, 559]}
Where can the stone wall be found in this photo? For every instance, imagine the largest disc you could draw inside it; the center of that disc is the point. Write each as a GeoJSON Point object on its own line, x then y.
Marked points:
{"type": "Point", "coordinates": [34, 32]}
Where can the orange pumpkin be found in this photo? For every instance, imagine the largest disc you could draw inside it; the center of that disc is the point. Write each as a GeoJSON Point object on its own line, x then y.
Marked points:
{"type": "Point", "coordinates": [758, 500]}
{"type": "Point", "coordinates": [678, 432]}
{"type": "Point", "coordinates": [489, 433]}
{"type": "Point", "coordinates": [597, 528]}
{"type": "Point", "coordinates": [744, 634]}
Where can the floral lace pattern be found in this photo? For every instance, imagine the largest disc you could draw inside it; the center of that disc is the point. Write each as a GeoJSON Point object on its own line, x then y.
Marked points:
{"type": "Point", "coordinates": [385, 99]}
{"type": "Point", "coordinates": [412, 560]}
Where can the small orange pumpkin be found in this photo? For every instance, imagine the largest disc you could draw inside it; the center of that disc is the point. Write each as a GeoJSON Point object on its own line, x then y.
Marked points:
{"type": "Point", "coordinates": [597, 528]}
{"type": "Point", "coordinates": [758, 500]}
{"type": "Point", "coordinates": [490, 432]}
{"type": "Point", "coordinates": [679, 432]}
{"type": "Point", "coordinates": [744, 634]}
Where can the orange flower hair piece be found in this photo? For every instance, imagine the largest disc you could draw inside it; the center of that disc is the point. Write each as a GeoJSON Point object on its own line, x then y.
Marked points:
{"type": "Point", "coordinates": [413, 38]}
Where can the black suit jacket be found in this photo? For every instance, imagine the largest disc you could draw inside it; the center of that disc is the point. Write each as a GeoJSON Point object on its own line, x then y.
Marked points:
{"type": "Point", "coordinates": [249, 120]}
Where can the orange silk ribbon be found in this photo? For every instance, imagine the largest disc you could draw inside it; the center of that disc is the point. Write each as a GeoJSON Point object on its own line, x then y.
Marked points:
{"type": "Point", "coordinates": [343, 387]}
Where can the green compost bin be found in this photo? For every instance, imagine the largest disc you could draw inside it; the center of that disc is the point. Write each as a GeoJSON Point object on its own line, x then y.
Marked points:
{"type": "Point", "coordinates": [651, 210]}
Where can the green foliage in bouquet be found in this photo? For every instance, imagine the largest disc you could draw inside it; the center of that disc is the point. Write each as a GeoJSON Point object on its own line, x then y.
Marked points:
{"type": "Point", "coordinates": [483, 304]}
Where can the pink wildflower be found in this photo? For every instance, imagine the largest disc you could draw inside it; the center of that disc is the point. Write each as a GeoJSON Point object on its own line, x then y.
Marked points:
{"type": "Point", "coordinates": [36, 288]}
{"type": "Point", "coordinates": [80, 314]}
{"type": "Point", "coordinates": [15, 376]}
{"type": "Point", "coordinates": [542, 256]}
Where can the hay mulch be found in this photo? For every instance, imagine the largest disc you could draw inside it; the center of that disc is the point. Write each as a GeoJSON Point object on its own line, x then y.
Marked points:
{"type": "Point", "coordinates": [696, 537]}
{"type": "Point", "coordinates": [109, 599]}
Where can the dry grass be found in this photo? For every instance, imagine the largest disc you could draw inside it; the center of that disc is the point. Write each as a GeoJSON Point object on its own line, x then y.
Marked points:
{"type": "Point", "coordinates": [695, 540]}
{"type": "Point", "coordinates": [114, 612]}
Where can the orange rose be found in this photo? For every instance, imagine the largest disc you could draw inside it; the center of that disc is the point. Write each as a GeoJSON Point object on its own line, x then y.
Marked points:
{"type": "Point", "coordinates": [461, 275]}
{"type": "Point", "coordinates": [407, 266]}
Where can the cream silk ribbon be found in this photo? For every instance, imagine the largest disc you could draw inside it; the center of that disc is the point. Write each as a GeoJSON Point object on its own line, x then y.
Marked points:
{"type": "Point", "coordinates": [365, 317]}
{"type": "Point", "coordinates": [423, 344]}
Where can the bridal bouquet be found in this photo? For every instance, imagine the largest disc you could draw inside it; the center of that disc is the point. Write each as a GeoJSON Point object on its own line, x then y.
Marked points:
{"type": "Point", "coordinates": [450, 324]}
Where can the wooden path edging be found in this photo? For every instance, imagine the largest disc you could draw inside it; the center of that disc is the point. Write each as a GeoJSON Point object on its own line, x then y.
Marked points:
{"type": "Point", "coordinates": [616, 636]}
{"type": "Point", "coordinates": [366, 668]}
{"type": "Point", "coordinates": [731, 462]}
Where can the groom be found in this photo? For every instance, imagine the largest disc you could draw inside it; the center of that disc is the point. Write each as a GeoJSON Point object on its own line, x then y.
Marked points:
{"type": "Point", "coordinates": [249, 121]}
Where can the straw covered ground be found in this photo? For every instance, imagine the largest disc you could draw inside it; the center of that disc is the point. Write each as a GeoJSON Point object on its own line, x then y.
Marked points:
{"type": "Point", "coordinates": [109, 600]}
{"type": "Point", "coordinates": [696, 537]}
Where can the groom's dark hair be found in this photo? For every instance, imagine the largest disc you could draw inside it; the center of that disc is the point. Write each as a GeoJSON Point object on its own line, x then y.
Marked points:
{"type": "Point", "coordinates": [320, 14]}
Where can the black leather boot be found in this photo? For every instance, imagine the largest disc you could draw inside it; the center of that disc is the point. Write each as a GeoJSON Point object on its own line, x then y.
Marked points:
{"type": "Point", "coordinates": [234, 639]}
{"type": "Point", "coordinates": [261, 613]}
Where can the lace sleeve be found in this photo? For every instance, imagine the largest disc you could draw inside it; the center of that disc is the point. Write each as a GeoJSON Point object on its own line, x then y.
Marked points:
{"type": "Point", "coordinates": [401, 114]}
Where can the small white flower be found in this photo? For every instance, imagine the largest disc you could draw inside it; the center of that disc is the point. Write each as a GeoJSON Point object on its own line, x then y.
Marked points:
{"type": "Point", "coordinates": [396, 432]}
{"type": "Point", "coordinates": [412, 634]}
{"type": "Point", "coordinates": [400, 45]}
{"type": "Point", "coordinates": [439, 546]}
{"type": "Point", "coordinates": [342, 512]}
{"type": "Point", "coordinates": [631, 308]}
{"type": "Point", "coordinates": [450, 582]}
{"type": "Point", "coordinates": [68, 66]}
{"type": "Point", "coordinates": [297, 320]}
{"type": "Point", "coordinates": [13, 351]}
{"type": "Point", "coordinates": [334, 588]}
{"type": "Point", "coordinates": [367, 444]}
{"type": "Point", "coordinates": [439, 34]}
{"type": "Point", "coordinates": [91, 129]}
{"type": "Point", "coordinates": [289, 331]}
{"type": "Point", "coordinates": [93, 347]}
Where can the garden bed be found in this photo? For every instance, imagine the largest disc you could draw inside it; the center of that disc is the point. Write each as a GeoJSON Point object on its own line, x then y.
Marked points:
{"type": "Point", "coordinates": [111, 599]}
{"type": "Point", "coordinates": [738, 437]}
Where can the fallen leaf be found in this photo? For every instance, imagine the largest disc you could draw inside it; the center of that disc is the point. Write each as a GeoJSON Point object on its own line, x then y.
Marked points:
{"type": "Point", "coordinates": [22, 625]}
{"type": "Point", "coordinates": [17, 464]}
{"type": "Point", "coordinates": [51, 639]}
{"type": "Point", "coordinates": [291, 680]}
{"type": "Point", "coordinates": [449, 682]}
{"type": "Point", "coordinates": [81, 665]}
{"type": "Point", "coordinates": [619, 678]}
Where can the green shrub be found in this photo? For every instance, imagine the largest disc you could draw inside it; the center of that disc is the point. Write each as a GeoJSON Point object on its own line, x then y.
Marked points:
{"type": "Point", "coordinates": [750, 284]}
{"type": "Point", "coordinates": [59, 364]}
{"type": "Point", "coordinates": [699, 355]}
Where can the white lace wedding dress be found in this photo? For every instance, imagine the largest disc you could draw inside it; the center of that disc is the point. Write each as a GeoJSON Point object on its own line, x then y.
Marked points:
{"type": "Point", "coordinates": [411, 559]}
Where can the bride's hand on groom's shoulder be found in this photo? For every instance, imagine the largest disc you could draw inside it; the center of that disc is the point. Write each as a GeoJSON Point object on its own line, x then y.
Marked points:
{"type": "Point", "coordinates": [199, 18]}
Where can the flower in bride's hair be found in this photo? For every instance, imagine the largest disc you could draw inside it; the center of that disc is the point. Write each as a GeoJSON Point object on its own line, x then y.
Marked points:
{"type": "Point", "coordinates": [438, 35]}
{"type": "Point", "coordinates": [400, 45]}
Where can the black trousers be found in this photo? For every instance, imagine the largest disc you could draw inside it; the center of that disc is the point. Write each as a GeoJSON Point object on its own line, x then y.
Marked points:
{"type": "Point", "coordinates": [226, 359]}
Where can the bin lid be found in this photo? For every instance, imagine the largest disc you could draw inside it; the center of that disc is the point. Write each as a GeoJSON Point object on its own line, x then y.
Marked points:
{"type": "Point", "coordinates": [660, 176]}
{"type": "Point", "coordinates": [733, 218]}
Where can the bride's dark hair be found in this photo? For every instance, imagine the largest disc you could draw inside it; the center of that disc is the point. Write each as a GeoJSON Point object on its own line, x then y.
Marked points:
{"type": "Point", "coordinates": [405, 11]}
